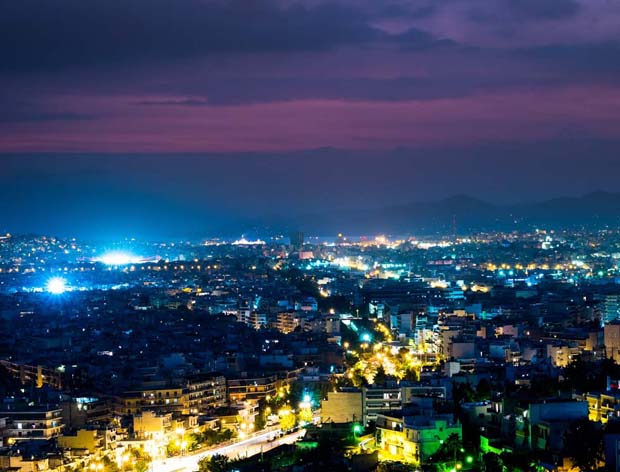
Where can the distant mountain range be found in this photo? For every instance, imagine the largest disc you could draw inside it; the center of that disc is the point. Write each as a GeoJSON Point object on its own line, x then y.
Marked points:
{"type": "Point", "coordinates": [465, 214]}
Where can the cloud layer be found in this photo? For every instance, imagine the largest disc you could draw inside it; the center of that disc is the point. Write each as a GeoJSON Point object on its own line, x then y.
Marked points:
{"type": "Point", "coordinates": [261, 75]}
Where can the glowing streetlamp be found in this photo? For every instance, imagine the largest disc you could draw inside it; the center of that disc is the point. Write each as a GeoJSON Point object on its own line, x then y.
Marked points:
{"type": "Point", "coordinates": [56, 286]}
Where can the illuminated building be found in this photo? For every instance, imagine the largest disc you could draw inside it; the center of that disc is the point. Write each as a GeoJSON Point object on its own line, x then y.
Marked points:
{"type": "Point", "coordinates": [612, 340]}
{"type": "Point", "coordinates": [34, 375]}
{"type": "Point", "coordinates": [376, 400]}
{"type": "Point", "coordinates": [611, 308]}
{"type": "Point", "coordinates": [562, 354]}
{"type": "Point", "coordinates": [603, 406]}
{"type": "Point", "coordinates": [2, 430]}
{"type": "Point", "coordinates": [287, 321]}
{"type": "Point", "coordinates": [158, 399]}
{"type": "Point", "coordinates": [255, 388]}
{"type": "Point", "coordinates": [413, 439]}
{"type": "Point", "coordinates": [81, 411]}
{"type": "Point", "coordinates": [150, 425]}
{"type": "Point", "coordinates": [89, 440]}
{"type": "Point", "coordinates": [342, 407]}
{"type": "Point", "coordinates": [205, 392]}
{"type": "Point", "coordinates": [27, 423]}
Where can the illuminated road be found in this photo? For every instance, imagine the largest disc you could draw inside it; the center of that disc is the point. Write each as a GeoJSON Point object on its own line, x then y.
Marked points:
{"type": "Point", "coordinates": [241, 449]}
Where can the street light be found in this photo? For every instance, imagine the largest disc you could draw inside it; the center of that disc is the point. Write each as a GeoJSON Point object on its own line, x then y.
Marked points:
{"type": "Point", "coordinates": [122, 460]}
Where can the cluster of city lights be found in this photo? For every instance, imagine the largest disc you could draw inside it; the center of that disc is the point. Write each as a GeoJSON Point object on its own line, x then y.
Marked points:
{"type": "Point", "coordinates": [56, 286]}
{"type": "Point", "coordinates": [118, 258]}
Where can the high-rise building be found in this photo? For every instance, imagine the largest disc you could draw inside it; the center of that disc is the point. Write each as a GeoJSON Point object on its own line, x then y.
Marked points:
{"type": "Point", "coordinates": [611, 308]}
{"type": "Point", "coordinates": [297, 240]}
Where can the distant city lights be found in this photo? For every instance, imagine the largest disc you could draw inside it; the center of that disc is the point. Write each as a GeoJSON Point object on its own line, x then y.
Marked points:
{"type": "Point", "coordinates": [246, 242]}
{"type": "Point", "coordinates": [56, 286]}
{"type": "Point", "coordinates": [118, 258]}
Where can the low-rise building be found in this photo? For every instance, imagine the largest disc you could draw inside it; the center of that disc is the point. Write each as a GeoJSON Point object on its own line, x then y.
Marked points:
{"type": "Point", "coordinates": [413, 439]}
{"type": "Point", "coordinates": [342, 407]}
{"type": "Point", "coordinates": [603, 406]}
{"type": "Point", "coordinates": [148, 425]}
{"type": "Point", "coordinates": [89, 441]}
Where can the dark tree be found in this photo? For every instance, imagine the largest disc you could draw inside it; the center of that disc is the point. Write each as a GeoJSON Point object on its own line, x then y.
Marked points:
{"type": "Point", "coordinates": [583, 443]}
{"type": "Point", "coordinates": [215, 463]}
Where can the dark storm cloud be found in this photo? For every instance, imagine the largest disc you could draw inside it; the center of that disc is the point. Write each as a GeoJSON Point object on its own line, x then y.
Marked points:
{"type": "Point", "coordinates": [505, 12]}
{"type": "Point", "coordinates": [399, 10]}
{"type": "Point", "coordinates": [51, 34]}
{"type": "Point", "coordinates": [600, 59]}
{"type": "Point", "coordinates": [543, 9]}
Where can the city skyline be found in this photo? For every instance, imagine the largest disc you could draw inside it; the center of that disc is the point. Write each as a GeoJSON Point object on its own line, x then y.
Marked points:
{"type": "Point", "coordinates": [322, 192]}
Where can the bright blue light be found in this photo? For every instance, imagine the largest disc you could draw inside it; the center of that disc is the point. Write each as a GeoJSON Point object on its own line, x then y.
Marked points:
{"type": "Point", "coordinates": [307, 398]}
{"type": "Point", "coordinates": [56, 285]}
{"type": "Point", "coordinates": [366, 337]}
{"type": "Point", "coordinates": [118, 258]}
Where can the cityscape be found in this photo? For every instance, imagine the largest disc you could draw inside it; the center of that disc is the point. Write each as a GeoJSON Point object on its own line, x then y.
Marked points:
{"type": "Point", "coordinates": [495, 351]}
{"type": "Point", "coordinates": [309, 235]}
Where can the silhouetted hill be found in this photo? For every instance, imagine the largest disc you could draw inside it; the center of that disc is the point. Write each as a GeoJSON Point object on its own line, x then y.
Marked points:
{"type": "Point", "coordinates": [466, 213]}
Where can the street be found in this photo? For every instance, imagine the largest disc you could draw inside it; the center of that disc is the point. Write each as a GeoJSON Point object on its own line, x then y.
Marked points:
{"type": "Point", "coordinates": [241, 449]}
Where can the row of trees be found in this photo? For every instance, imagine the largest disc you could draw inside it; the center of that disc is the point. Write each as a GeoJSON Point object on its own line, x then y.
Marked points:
{"type": "Point", "coordinates": [196, 440]}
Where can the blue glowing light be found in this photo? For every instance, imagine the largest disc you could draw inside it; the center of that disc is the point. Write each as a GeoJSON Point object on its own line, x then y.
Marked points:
{"type": "Point", "coordinates": [118, 258]}
{"type": "Point", "coordinates": [366, 337]}
{"type": "Point", "coordinates": [56, 285]}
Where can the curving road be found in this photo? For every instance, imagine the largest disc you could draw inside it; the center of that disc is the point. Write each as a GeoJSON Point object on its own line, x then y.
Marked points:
{"type": "Point", "coordinates": [251, 446]}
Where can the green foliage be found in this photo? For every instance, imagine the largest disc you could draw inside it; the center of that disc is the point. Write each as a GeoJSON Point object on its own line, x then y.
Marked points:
{"type": "Point", "coordinates": [215, 463]}
{"type": "Point", "coordinates": [109, 465]}
{"type": "Point", "coordinates": [210, 437]}
{"type": "Point", "coordinates": [449, 450]}
{"type": "Point", "coordinates": [140, 459]}
{"type": "Point", "coordinates": [492, 463]}
{"type": "Point", "coordinates": [173, 448]}
{"type": "Point", "coordinates": [412, 375]}
{"type": "Point", "coordinates": [519, 461]}
{"type": "Point", "coordinates": [288, 421]}
{"type": "Point", "coordinates": [328, 455]}
{"type": "Point", "coordinates": [305, 415]}
{"type": "Point", "coordinates": [261, 419]}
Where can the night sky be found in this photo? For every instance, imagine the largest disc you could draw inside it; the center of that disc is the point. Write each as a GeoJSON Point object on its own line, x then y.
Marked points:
{"type": "Point", "coordinates": [173, 117]}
